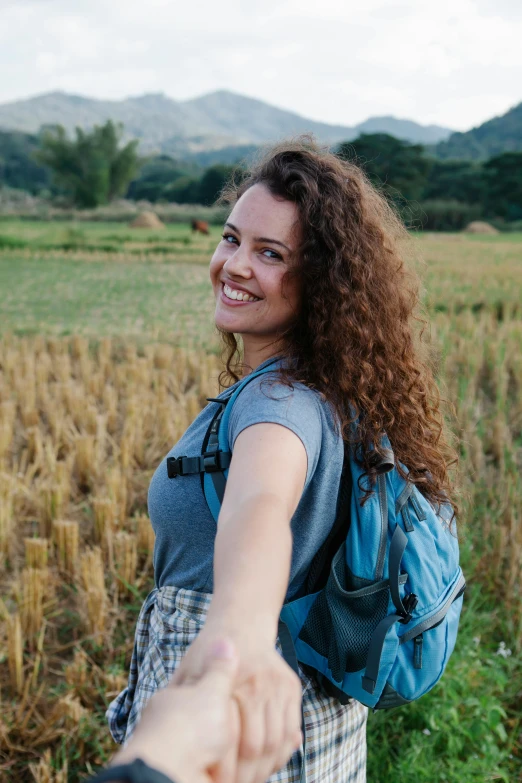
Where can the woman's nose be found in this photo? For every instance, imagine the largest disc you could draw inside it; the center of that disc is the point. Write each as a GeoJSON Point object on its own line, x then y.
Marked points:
{"type": "Point", "coordinates": [239, 263]}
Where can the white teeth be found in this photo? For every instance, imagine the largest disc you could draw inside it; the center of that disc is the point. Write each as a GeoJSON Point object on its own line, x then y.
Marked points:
{"type": "Point", "coordinates": [241, 296]}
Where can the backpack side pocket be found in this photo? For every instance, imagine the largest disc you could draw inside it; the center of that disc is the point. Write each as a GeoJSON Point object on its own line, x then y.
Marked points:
{"type": "Point", "coordinates": [340, 623]}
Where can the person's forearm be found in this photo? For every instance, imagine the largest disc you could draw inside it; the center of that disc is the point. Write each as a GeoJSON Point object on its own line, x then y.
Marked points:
{"type": "Point", "coordinates": [251, 568]}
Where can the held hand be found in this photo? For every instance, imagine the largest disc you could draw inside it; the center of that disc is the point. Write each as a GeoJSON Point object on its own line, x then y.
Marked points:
{"type": "Point", "coordinates": [190, 732]}
{"type": "Point", "coordinates": [268, 694]}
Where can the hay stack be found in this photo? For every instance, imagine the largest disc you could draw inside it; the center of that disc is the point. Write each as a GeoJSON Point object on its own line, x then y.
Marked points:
{"type": "Point", "coordinates": [479, 227]}
{"type": "Point", "coordinates": [147, 220]}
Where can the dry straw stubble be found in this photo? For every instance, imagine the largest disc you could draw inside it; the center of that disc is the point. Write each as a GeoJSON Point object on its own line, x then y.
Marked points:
{"type": "Point", "coordinates": [85, 426]}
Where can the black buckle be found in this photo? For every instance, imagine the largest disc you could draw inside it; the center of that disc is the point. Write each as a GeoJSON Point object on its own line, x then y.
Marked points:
{"type": "Point", "coordinates": [211, 461]}
{"type": "Point", "coordinates": [216, 399]}
{"type": "Point", "coordinates": [409, 602]}
{"type": "Point", "coordinates": [174, 466]}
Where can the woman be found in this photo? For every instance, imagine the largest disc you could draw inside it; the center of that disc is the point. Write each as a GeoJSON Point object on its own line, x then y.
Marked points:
{"type": "Point", "coordinates": [310, 274]}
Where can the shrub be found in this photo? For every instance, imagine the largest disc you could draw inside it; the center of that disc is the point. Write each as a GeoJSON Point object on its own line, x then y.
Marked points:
{"type": "Point", "coordinates": [440, 215]}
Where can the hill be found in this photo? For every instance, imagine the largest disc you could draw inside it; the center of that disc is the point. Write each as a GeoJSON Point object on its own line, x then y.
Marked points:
{"type": "Point", "coordinates": [407, 130]}
{"type": "Point", "coordinates": [501, 134]}
{"type": "Point", "coordinates": [214, 121]}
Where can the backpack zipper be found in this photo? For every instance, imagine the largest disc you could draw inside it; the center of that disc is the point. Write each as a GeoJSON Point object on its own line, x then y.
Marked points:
{"type": "Point", "coordinates": [383, 507]}
{"type": "Point", "coordinates": [417, 652]}
{"type": "Point", "coordinates": [436, 618]}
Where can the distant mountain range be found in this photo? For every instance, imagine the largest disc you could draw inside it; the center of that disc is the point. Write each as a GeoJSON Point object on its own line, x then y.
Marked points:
{"type": "Point", "coordinates": [219, 121]}
{"type": "Point", "coordinates": [501, 134]}
{"type": "Point", "coordinates": [225, 127]}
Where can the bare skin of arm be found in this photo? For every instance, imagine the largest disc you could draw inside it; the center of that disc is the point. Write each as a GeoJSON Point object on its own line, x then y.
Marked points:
{"type": "Point", "coordinates": [251, 571]}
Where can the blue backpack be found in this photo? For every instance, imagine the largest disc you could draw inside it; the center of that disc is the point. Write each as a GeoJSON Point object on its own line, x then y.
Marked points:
{"type": "Point", "coordinates": [377, 618]}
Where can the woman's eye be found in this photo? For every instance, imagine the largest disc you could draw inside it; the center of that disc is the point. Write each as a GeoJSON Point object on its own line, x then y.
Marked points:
{"type": "Point", "coordinates": [274, 254]}
{"type": "Point", "coordinates": [232, 240]}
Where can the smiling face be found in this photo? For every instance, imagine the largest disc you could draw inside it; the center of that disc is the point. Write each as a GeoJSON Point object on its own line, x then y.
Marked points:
{"type": "Point", "coordinates": [258, 246]}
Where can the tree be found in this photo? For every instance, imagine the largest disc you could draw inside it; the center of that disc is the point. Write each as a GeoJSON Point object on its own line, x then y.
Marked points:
{"type": "Point", "coordinates": [212, 182]}
{"type": "Point", "coordinates": [184, 190]}
{"type": "Point", "coordinates": [458, 180]}
{"type": "Point", "coordinates": [504, 186]}
{"type": "Point", "coordinates": [398, 167]}
{"type": "Point", "coordinates": [93, 168]}
{"type": "Point", "coordinates": [156, 176]}
{"type": "Point", "coordinates": [18, 168]}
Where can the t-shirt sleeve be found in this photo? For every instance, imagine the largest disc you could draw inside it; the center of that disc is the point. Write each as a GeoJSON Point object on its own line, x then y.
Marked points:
{"type": "Point", "coordinates": [297, 409]}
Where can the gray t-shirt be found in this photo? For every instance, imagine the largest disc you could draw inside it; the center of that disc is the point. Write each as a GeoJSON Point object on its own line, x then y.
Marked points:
{"type": "Point", "coordinates": [184, 527]}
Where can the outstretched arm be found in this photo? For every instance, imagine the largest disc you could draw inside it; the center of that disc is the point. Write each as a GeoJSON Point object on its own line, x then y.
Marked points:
{"type": "Point", "coordinates": [251, 572]}
{"type": "Point", "coordinates": [254, 542]}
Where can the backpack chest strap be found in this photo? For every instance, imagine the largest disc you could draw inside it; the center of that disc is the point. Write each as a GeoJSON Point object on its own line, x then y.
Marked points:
{"type": "Point", "coordinates": [208, 462]}
{"type": "Point", "coordinates": [214, 460]}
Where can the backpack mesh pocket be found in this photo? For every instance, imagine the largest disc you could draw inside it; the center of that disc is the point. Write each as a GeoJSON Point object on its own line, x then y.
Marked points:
{"type": "Point", "coordinates": [343, 618]}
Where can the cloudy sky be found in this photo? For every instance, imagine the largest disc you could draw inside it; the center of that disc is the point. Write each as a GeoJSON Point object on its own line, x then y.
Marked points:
{"type": "Point", "coordinates": [450, 62]}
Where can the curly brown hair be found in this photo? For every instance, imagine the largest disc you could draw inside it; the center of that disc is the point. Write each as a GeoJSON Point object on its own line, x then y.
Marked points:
{"type": "Point", "coordinates": [355, 338]}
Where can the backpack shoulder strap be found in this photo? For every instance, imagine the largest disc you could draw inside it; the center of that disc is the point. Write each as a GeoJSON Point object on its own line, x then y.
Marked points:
{"type": "Point", "coordinates": [216, 448]}
{"type": "Point", "coordinates": [320, 567]}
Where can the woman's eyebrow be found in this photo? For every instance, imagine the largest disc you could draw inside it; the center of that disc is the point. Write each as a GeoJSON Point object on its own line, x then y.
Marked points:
{"type": "Point", "coordinates": [260, 239]}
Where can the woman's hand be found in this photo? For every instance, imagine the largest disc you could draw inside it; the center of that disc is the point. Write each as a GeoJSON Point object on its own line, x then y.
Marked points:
{"type": "Point", "coordinates": [268, 694]}
{"type": "Point", "coordinates": [269, 697]}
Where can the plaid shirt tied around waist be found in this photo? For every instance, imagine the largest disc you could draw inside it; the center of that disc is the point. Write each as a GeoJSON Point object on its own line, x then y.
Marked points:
{"type": "Point", "coordinates": [169, 621]}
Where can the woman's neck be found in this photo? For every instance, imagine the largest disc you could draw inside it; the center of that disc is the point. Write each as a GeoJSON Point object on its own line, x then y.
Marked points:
{"type": "Point", "coordinates": [256, 354]}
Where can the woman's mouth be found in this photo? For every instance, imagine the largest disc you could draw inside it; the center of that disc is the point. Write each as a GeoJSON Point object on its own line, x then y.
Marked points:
{"type": "Point", "coordinates": [234, 298]}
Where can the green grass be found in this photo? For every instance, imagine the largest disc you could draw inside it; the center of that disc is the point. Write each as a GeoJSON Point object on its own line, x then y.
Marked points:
{"type": "Point", "coordinates": [467, 729]}
{"type": "Point", "coordinates": [86, 291]}
{"type": "Point", "coordinates": [42, 235]}
{"type": "Point", "coordinates": [457, 733]}
{"type": "Point", "coordinates": [60, 297]}
{"type": "Point", "coordinates": [62, 279]}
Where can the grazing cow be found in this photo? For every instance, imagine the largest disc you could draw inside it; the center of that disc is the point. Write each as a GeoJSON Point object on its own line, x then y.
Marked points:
{"type": "Point", "coordinates": [201, 226]}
